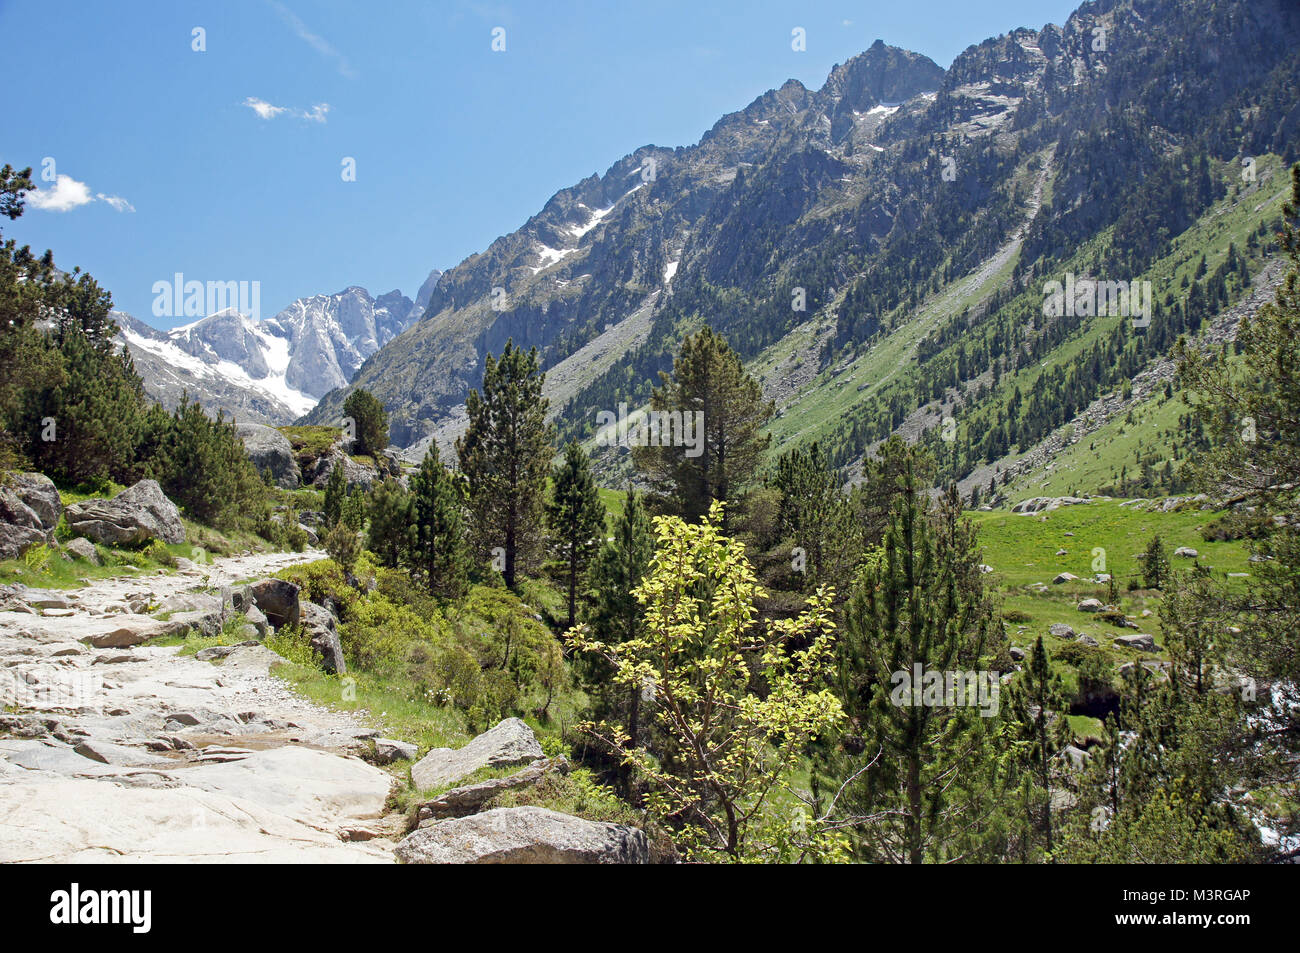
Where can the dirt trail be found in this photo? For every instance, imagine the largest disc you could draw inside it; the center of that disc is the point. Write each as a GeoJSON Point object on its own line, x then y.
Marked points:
{"type": "Point", "coordinates": [142, 754]}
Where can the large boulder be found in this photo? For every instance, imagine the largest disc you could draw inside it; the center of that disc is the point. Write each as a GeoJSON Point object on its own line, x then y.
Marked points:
{"type": "Point", "coordinates": [29, 511]}
{"type": "Point", "coordinates": [136, 515]}
{"type": "Point", "coordinates": [38, 493]}
{"type": "Point", "coordinates": [1043, 504]}
{"type": "Point", "coordinates": [357, 475]}
{"type": "Point", "coordinates": [318, 623]}
{"type": "Point", "coordinates": [83, 549]}
{"type": "Point", "coordinates": [270, 450]}
{"type": "Point", "coordinates": [524, 835]}
{"type": "Point", "coordinates": [510, 743]}
{"type": "Point", "coordinates": [278, 601]}
{"type": "Point", "coordinates": [1143, 642]}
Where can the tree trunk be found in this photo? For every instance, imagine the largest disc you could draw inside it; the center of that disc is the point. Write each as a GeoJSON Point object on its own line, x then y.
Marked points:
{"type": "Point", "coordinates": [915, 855]}
{"type": "Point", "coordinates": [573, 586]}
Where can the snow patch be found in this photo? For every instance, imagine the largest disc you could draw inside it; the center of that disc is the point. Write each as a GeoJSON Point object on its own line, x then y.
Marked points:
{"type": "Point", "coordinates": [274, 385]}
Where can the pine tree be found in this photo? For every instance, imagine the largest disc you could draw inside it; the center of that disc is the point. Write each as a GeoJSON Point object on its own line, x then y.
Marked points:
{"type": "Point", "coordinates": [207, 470]}
{"type": "Point", "coordinates": [505, 454]}
{"type": "Point", "coordinates": [615, 615]}
{"type": "Point", "coordinates": [1155, 566]}
{"type": "Point", "coordinates": [370, 420]}
{"type": "Point", "coordinates": [336, 493]}
{"type": "Point", "coordinates": [1039, 693]}
{"type": "Point", "coordinates": [816, 516]}
{"type": "Point", "coordinates": [708, 383]}
{"type": "Point", "coordinates": [576, 518]}
{"type": "Point", "coordinates": [873, 498]}
{"type": "Point", "coordinates": [920, 766]}
{"type": "Point", "coordinates": [391, 530]}
{"type": "Point", "coordinates": [438, 549]}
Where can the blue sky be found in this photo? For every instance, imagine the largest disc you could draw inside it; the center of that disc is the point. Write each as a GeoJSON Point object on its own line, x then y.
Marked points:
{"type": "Point", "coordinates": [226, 164]}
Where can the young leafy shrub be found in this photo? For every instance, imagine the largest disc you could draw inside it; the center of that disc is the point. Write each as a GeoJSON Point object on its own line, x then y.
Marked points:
{"type": "Point", "coordinates": [291, 644]}
{"type": "Point", "coordinates": [158, 552]}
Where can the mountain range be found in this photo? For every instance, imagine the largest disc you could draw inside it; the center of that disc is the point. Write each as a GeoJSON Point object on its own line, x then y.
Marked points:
{"type": "Point", "coordinates": [275, 370]}
{"type": "Point", "coordinates": [876, 249]}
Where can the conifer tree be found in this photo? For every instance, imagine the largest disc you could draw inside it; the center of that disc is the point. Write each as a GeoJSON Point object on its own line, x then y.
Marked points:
{"type": "Point", "coordinates": [505, 454]}
{"type": "Point", "coordinates": [370, 420]}
{"type": "Point", "coordinates": [708, 383]}
{"type": "Point", "coordinates": [1155, 566]}
{"type": "Point", "coordinates": [615, 615]}
{"type": "Point", "coordinates": [576, 519]}
{"type": "Point", "coordinates": [920, 764]}
{"type": "Point", "coordinates": [1040, 692]}
{"type": "Point", "coordinates": [438, 549]}
{"type": "Point", "coordinates": [873, 498]}
{"type": "Point", "coordinates": [336, 493]}
{"type": "Point", "coordinates": [391, 529]}
{"type": "Point", "coordinates": [816, 516]}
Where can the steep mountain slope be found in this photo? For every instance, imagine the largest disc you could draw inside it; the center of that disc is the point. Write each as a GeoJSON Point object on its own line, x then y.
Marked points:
{"type": "Point", "coordinates": [272, 371]}
{"type": "Point", "coordinates": [608, 250]}
{"type": "Point", "coordinates": [877, 249]}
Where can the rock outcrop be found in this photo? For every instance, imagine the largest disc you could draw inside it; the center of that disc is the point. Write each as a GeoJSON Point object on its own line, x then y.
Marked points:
{"type": "Point", "coordinates": [271, 451]}
{"type": "Point", "coordinates": [357, 475]}
{"type": "Point", "coordinates": [277, 600]}
{"type": "Point", "coordinates": [319, 625]}
{"type": "Point", "coordinates": [511, 742]}
{"type": "Point", "coordinates": [136, 515]}
{"type": "Point", "coordinates": [29, 511]}
{"type": "Point", "coordinates": [1044, 504]}
{"type": "Point", "coordinates": [524, 835]}
{"type": "Point", "coordinates": [470, 799]}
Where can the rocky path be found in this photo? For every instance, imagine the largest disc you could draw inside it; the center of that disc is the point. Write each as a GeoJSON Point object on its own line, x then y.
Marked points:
{"type": "Point", "coordinates": [136, 753]}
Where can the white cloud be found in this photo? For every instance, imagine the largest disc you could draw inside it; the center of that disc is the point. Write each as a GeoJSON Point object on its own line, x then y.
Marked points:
{"type": "Point", "coordinates": [119, 204]}
{"type": "Point", "coordinates": [264, 109]}
{"type": "Point", "coordinates": [314, 40]}
{"type": "Point", "coordinates": [67, 193]}
{"type": "Point", "coordinates": [267, 110]}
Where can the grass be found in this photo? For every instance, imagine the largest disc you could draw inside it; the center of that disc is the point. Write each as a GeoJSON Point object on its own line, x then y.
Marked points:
{"type": "Point", "coordinates": [1022, 548]}
{"type": "Point", "coordinates": [48, 568]}
{"type": "Point", "coordinates": [313, 440]}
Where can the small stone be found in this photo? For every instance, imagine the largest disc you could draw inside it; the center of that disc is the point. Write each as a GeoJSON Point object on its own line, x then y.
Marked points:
{"type": "Point", "coordinates": [388, 750]}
